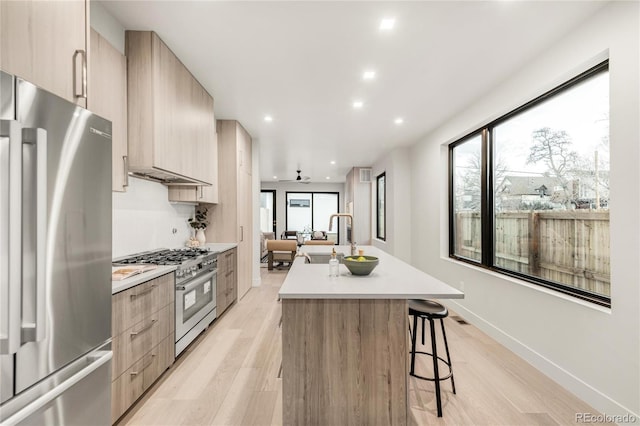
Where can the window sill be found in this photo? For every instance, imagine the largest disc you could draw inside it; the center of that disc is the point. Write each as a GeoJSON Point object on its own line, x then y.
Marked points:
{"type": "Point", "coordinates": [531, 286]}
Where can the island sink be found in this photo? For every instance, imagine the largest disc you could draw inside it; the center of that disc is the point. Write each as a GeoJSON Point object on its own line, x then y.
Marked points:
{"type": "Point", "coordinates": [322, 257]}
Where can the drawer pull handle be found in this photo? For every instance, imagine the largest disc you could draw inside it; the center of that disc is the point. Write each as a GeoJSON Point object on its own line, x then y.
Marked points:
{"type": "Point", "coordinates": [228, 273]}
{"type": "Point", "coordinates": [228, 255]}
{"type": "Point", "coordinates": [144, 367]}
{"type": "Point", "coordinates": [145, 328]}
{"type": "Point", "coordinates": [134, 295]}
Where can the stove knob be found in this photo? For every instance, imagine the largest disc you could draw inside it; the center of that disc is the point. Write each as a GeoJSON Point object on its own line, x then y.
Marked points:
{"type": "Point", "coordinates": [179, 273]}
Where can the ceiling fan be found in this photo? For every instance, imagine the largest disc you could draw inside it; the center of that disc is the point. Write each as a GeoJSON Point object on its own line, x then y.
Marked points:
{"type": "Point", "coordinates": [298, 179]}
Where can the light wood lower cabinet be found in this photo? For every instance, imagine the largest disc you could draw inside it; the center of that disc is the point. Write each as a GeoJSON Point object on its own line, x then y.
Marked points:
{"type": "Point", "coordinates": [143, 330]}
{"type": "Point", "coordinates": [357, 349]}
{"type": "Point", "coordinates": [130, 385]}
{"type": "Point", "coordinates": [227, 280]}
{"type": "Point", "coordinates": [136, 341]}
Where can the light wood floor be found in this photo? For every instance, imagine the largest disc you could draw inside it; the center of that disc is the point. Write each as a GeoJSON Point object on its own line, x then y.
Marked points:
{"type": "Point", "coordinates": [231, 376]}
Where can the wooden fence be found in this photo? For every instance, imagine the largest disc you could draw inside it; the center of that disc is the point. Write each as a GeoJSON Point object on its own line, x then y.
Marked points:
{"type": "Point", "coordinates": [567, 247]}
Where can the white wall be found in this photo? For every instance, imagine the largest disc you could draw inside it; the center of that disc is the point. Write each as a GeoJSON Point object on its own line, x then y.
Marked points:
{"type": "Point", "coordinates": [281, 205]}
{"type": "Point", "coordinates": [143, 219]}
{"type": "Point", "coordinates": [594, 352]}
{"type": "Point", "coordinates": [397, 168]}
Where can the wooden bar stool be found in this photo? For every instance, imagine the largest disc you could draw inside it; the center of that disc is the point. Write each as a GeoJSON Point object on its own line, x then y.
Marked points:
{"type": "Point", "coordinates": [430, 310]}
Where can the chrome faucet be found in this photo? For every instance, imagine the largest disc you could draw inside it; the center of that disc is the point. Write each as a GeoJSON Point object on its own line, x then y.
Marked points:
{"type": "Point", "coordinates": [353, 233]}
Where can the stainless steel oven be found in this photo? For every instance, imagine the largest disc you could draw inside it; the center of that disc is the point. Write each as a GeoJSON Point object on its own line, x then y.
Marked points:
{"type": "Point", "coordinates": [195, 305]}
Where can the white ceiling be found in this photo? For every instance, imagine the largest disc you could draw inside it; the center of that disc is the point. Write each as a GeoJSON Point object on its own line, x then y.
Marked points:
{"type": "Point", "coordinates": [302, 63]}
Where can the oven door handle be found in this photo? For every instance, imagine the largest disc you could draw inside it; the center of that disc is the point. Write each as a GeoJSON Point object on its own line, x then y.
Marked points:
{"type": "Point", "coordinates": [197, 281]}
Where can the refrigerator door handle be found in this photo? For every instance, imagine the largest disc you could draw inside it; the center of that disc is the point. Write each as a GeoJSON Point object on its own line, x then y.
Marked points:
{"type": "Point", "coordinates": [95, 363]}
{"type": "Point", "coordinates": [36, 331]}
{"type": "Point", "coordinates": [11, 237]}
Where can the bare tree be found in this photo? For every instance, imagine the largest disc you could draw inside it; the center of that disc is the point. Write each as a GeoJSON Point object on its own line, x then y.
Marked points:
{"type": "Point", "coordinates": [471, 180]}
{"type": "Point", "coordinates": [553, 148]}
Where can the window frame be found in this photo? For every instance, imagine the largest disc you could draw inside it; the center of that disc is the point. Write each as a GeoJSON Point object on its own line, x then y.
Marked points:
{"type": "Point", "coordinates": [382, 175]}
{"type": "Point", "coordinates": [487, 212]}
{"type": "Point", "coordinates": [286, 207]}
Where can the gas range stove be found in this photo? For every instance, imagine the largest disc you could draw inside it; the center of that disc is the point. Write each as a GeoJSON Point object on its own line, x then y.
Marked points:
{"type": "Point", "coordinates": [190, 262]}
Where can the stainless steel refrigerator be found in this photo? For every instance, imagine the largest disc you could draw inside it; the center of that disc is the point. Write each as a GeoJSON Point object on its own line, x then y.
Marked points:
{"type": "Point", "coordinates": [55, 259]}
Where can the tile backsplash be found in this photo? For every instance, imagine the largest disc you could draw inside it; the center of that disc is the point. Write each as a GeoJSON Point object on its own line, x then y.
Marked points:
{"type": "Point", "coordinates": [144, 219]}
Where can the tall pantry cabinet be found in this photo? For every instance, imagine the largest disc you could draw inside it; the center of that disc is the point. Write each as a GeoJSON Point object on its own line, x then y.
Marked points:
{"type": "Point", "coordinates": [231, 219]}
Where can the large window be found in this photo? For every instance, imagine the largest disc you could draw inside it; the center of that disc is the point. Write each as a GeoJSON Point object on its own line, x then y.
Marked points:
{"type": "Point", "coordinates": [529, 193]}
{"type": "Point", "coordinates": [381, 216]}
{"type": "Point", "coordinates": [310, 211]}
{"type": "Point", "coordinates": [466, 158]}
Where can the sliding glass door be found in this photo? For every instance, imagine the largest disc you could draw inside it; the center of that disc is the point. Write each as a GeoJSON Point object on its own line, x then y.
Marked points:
{"type": "Point", "coordinates": [310, 211]}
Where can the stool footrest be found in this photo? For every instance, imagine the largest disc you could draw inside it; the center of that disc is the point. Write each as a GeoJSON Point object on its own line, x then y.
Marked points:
{"type": "Point", "coordinates": [441, 378]}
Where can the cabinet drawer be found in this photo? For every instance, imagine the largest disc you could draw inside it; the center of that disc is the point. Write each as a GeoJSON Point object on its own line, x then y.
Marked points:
{"type": "Point", "coordinates": [127, 388]}
{"type": "Point", "coordinates": [130, 345]}
{"type": "Point", "coordinates": [162, 357]}
{"type": "Point", "coordinates": [131, 306]}
{"type": "Point", "coordinates": [227, 260]}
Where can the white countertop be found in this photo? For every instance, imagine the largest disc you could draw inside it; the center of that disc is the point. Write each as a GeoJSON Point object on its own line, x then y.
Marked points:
{"type": "Point", "coordinates": [121, 285]}
{"type": "Point", "coordinates": [220, 247]}
{"type": "Point", "coordinates": [391, 279]}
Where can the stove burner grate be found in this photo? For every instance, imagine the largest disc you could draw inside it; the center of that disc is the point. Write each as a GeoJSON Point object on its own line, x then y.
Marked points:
{"type": "Point", "coordinates": [165, 257]}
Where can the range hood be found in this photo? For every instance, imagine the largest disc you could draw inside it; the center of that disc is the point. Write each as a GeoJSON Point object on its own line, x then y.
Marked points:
{"type": "Point", "coordinates": [165, 177]}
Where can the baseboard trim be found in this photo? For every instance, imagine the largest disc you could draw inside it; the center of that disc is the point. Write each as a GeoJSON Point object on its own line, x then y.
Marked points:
{"type": "Point", "coordinates": [569, 381]}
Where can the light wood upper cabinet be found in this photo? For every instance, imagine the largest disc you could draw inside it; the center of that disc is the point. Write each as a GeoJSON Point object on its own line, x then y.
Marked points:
{"type": "Point", "coordinates": [39, 40]}
{"type": "Point", "coordinates": [169, 114]}
{"type": "Point", "coordinates": [231, 219]}
{"type": "Point", "coordinates": [209, 158]}
{"type": "Point", "coordinates": [108, 82]}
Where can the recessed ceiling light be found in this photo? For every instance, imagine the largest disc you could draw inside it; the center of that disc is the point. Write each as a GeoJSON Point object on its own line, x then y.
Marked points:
{"type": "Point", "coordinates": [328, 177]}
{"type": "Point", "coordinates": [369, 75]}
{"type": "Point", "coordinates": [398, 120]}
{"type": "Point", "coordinates": [333, 162]}
{"type": "Point", "coordinates": [358, 104]}
{"type": "Point", "coordinates": [268, 118]}
{"type": "Point", "coordinates": [275, 177]}
{"type": "Point", "coordinates": [387, 24]}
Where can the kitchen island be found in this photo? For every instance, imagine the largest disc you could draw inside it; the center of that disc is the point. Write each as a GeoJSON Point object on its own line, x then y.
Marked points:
{"type": "Point", "coordinates": [345, 340]}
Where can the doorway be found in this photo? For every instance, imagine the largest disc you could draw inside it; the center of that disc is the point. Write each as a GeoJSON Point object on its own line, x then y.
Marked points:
{"type": "Point", "coordinates": [268, 210]}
